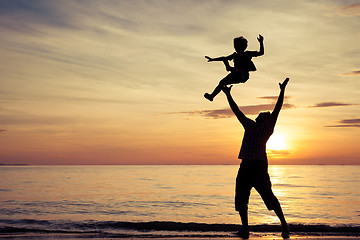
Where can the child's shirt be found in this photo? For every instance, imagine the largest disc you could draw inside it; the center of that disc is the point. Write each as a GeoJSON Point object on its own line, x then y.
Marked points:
{"type": "Point", "coordinates": [243, 60]}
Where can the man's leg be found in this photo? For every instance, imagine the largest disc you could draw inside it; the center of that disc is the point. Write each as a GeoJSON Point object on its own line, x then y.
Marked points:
{"type": "Point", "coordinates": [244, 218]}
{"type": "Point", "coordinates": [242, 194]}
{"type": "Point", "coordinates": [244, 232]}
{"type": "Point", "coordinates": [272, 203]}
{"type": "Point", "coordinates": [285, 227]}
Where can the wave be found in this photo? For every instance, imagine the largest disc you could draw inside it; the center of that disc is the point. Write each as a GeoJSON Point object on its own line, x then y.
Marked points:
{"type": "Point", "coordinates": [161, 228]}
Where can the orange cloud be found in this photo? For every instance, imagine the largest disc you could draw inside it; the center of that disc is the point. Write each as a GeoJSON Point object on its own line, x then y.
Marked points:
{"type": "Point", "coordinates": [354, 122]}
{"type": "Point", "coordinates": [347, 10]}
{"type": "Point", "coordinates": [248, 110]}
{"type": "Point", "coordinates": [331, 104]}
{"type": "Point", "coordinates": [352, 73]}
{"type": "Point", "coordinates": [274, 98]}
{"type": "Point", "coordinates": [278, 153]}
{"type": "Point", "coordinates": [227, 113]}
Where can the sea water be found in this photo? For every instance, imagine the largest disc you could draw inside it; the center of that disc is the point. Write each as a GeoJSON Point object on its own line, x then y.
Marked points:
{"type": "Point", "coordinates": [101, 198]}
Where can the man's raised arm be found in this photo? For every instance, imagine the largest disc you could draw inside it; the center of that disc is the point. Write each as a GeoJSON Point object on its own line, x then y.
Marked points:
{"type": "Point", "coordinates": [234, 107]}
{"type": "Point", "coordinates": [279, 103]}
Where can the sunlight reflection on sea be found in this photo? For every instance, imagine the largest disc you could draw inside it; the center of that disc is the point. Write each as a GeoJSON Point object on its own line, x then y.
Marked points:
{"type": "Point", "coordinates": [308, 194]}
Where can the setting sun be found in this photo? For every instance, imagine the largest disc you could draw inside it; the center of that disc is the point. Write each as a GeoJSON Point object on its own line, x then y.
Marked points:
{"type": "Point", "coordinates": [123, 82]}
{"type": "Point", "coordinates": [276, 142]}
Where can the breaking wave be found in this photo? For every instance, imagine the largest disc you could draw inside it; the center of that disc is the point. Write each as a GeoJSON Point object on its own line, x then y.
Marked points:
{"type": "Point", "coordinates": [160, 228]}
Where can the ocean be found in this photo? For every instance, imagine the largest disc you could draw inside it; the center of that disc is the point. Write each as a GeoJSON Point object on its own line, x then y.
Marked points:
{"type": "Point", "coordinates": [173, 201]}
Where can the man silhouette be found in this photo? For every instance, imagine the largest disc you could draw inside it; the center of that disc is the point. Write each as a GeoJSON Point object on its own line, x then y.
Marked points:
{"type": "Point", "coordinates": [253, 171]}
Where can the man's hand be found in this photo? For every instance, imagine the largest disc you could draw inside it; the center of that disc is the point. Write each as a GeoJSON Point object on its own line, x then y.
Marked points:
{"type": "Point", "coordinates": [230, 69]}
{"type": "Point", "coordinates": [260, 38]}
{"type": "Point", "coordinates": [283, 85]}
{"type": "Point", "coordinates": [226, 89]}
{"type": "Point", "coordinates": [209, 58]}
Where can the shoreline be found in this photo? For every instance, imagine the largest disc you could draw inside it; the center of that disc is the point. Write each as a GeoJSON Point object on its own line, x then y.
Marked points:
{"type": "Point", "coordinates": [75, 236]}
{"type": "Point", "coordinates": [35, 229]}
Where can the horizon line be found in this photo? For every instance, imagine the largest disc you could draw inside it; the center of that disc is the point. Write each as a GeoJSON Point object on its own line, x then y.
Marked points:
{"type": "Point", "coordinates": [25, 164]}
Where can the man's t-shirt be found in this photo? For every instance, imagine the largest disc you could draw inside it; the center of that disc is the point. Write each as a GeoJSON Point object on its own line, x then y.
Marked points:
{"type": "Point", "coordinates": [253, 146]}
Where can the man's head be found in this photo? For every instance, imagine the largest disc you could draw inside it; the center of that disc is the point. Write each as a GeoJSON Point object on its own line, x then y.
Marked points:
{"type": "Point", "coordinates": [263, 116]}
{"type": "Point", "coordinates": [240, 44]}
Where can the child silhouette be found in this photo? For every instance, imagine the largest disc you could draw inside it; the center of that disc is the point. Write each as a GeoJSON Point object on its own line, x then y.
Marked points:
{"type": "Point", "coordinates": [242, 64]}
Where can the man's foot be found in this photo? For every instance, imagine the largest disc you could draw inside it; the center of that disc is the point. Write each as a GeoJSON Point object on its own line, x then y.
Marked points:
{"type": "Point", "coordinates": [208, 97]}
{"type": "Point", "coordinates": [243, 234]}
{"type": "Point", "coordinates": [285, 232]}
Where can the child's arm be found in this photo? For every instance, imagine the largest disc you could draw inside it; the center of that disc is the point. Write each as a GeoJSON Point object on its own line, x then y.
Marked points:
{"type": "Point", "coordinates": [261, 51]}
{"type": "Point", "coordinates": [227, 66]}
{"type": "Point", "coordinates": [222, 59]}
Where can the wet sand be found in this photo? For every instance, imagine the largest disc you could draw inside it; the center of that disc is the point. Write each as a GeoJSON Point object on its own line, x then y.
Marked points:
{"type": "Point", "coordinates": [54, 236]}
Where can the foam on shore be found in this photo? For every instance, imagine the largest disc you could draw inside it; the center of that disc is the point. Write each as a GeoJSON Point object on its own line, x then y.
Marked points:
{"type": "Point", "coordinates": [160, 229]}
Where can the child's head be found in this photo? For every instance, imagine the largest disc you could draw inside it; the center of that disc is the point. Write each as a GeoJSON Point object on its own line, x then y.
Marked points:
{"type": "Point", "coordinates": [240, 44]}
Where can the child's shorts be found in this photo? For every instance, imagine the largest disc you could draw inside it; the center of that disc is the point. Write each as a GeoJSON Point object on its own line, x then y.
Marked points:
{"type": "Point", "coordinates": [235, 77]}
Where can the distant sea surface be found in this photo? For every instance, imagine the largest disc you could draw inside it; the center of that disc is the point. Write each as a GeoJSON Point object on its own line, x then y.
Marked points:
{"type": "Point", "coordinates": [166, 200]}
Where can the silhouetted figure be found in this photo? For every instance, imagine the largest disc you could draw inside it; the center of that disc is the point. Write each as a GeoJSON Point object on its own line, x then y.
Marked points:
{"type": "Point", "coordinates": [253, 171]}
{"type": "Point", "coordinates": [242, 64]}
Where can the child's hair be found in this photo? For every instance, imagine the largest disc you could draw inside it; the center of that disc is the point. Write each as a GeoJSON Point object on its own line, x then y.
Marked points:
{"type": "Point", "coordinates": [240, 43]}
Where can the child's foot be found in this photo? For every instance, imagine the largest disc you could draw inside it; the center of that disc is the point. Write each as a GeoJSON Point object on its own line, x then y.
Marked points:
{"type": "Point", "coordinates": [285, 232]}
{"type": "Point", "coordinates": [243, 234]}
{"type": "Point", "coordinates": [208, 97]}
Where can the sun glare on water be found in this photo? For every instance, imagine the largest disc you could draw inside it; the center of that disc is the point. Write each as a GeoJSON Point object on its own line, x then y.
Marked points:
{"type": "Point", "coordinates": [276, 142]}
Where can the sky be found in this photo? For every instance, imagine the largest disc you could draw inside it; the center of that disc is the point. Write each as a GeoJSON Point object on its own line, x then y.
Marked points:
{"type": "Point", "coordinates": [122, 82]}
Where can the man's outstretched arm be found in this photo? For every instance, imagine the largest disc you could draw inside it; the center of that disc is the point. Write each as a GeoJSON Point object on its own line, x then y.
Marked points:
{"type": "Point", "coordinates": [234, 107]}
{"type": "Point", "coordinates": [279, 103]}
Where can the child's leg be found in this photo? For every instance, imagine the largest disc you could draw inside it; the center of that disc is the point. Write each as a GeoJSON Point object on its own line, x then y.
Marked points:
{"type": "Point", "coordinates": [229, 79]}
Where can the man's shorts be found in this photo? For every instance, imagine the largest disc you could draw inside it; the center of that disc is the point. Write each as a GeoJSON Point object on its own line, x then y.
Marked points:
{"type": "Point", "coordinates": [254, 174]}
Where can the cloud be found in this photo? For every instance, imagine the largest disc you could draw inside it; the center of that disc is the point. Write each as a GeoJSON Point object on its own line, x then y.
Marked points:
{"type": "Point", "coordinates": [278, 152]}
{"type": "Point", "coordinates": [215, 114]}
{"type": "Point", "coordinates": [29, 119]}
{"type": "Point", "coordinates": [2, 130]}
{"type": "Point", "coordinates": [274, 98]}
{"type": "Point", "coordinates": [331, 104]}
{"type": "Point", "coordinates": [347, 10]}
{"type": "Point", "coordinates": [26, 16]}
{"type": "Point", "coordinates": [353, 122]}
{"type": "Point", "coordinates": [247, 110]}
{"type": "Point", "coordinates": [344, 125]}
{"type": "Point", "coordinates": [227, 112]}
{"type": "Point", "coordinates": [352, 73]}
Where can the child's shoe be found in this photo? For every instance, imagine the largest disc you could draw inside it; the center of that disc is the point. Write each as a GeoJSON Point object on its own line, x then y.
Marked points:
{"type": "Point", "coordinates": [208, 97]}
